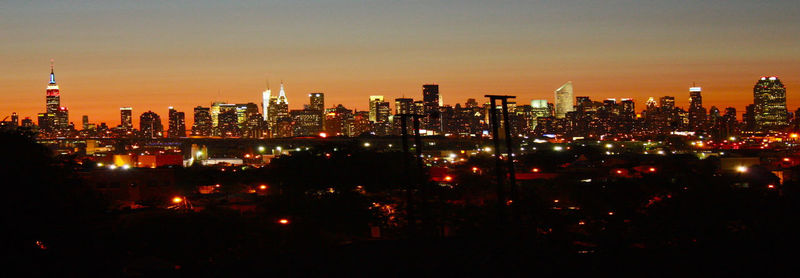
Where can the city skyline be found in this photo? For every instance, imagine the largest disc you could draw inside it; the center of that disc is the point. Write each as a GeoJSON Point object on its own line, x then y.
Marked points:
{"type": "Point", "coordinates": [300, 105]}
{"type": "Point", "coordinates": [151, 56]}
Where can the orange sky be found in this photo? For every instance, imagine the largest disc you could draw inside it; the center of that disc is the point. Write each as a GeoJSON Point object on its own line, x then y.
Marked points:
{"type": "Point", "coordinates": [153, 55]}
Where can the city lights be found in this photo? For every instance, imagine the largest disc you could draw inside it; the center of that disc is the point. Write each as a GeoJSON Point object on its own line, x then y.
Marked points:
{"type": "Point", "coordinates": [177, 200]}
{"type": "Point", "coordinates": [283, 221]}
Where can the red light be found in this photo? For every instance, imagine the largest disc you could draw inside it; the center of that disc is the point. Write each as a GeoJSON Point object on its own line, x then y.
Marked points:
{"type": "Point", "coordinates": [323, 135]}
{"type": "Point", "coordinates": [619, 171]}
{"type": "Point", "coordinates": [787, 159]}
{"type": "Point", "coordinates": [283, 221]}
{"type": "Point", "coordinates": [474, 169]}
{"type": "Point", "coordinates": [262, 187]}
{"type": "Point", "coordinates": [652, 169]}
{"type": "Point", "coordinates": [771, 186]}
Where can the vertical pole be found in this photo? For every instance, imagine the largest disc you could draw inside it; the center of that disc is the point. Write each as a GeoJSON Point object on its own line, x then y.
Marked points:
{"type": "Point", "coordinates": [510, 161]}
{"type": "Point", "coordinates": [420, 174]}
{"type": "Point", "coordinates": [501, 198]}
{"type": "Point", "coordinates": [412, 222]}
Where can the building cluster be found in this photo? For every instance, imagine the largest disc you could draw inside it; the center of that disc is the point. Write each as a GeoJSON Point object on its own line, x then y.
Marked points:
{"type": "Point", "coordinates": [569, 117]}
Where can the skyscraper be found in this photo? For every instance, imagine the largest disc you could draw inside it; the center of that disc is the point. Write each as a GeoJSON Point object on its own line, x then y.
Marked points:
{"type": "Point", "coordinates": [403, 105]}
{"type": "Point", "coordinates": [564, 100]}
{"type": "Point", "coordinates": [697, 113]}
{"type": "Point", "coordinates": [202, 121]}
{"type": "Point", "coordinates": [373, 107]}
{"type": "Point", "coordinates": [85, 122]}
{"type": "Point", "coordinates": [316, 102]}
{"type": "Point", "coordinates": [431, 103]}
{"type": "Point", "coordinates": [126, 118]}
{"type": "Point", "coordinates": [53, 93]}
{"type": "Point", "coordinates": [769, 98]}
{"type": "Point", "coordinates": [177, 123]}
{"type": "Point", "coordinates": [150, 125]}
{"type": "Point", "coordinates": [265, 97]}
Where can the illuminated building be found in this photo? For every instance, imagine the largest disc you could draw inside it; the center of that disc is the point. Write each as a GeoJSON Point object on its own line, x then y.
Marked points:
{"type": "Point", "coordinates": [697, 113]}
{"type": "Point", "coordinates": [14, 119]}
{"type": "Point", "coordinates": [177, 123]}
{"type": "Point", "coordinates": [373, 107]}
{"type": "Point", "coordinates": [228, 122]}
{"type": "Point", "coordinates": [539, 108]}
{"type": "Point", "coordinates": [337, 121]}
{"type": "Point", "coordinates": [431, 103]}
{"type": "Point", "coordinates": [202, 121]}
{"type": "Point", "coordinates": [316, 102]}
{"type": "Point", "coordinates": [150, 125]}
{"type": "Point", "coordinates": [564, 97]}
{"type": "Point", "coordinates": [769, 98]}
{"type": "Point", "coordinates": [53, 93]}
{"type": "Point", "coordinates": [403, 105]}
{"type": "Point", "coordinates": [265, 98]}
{"type": "Point", "coordinates": [306, 122]}
{"type": "Point", "coordinates": [126, 118]}
{"type": "Point", "coordinates": [278, 111]}
{"type": "Point", "coordinates": [666, 102]}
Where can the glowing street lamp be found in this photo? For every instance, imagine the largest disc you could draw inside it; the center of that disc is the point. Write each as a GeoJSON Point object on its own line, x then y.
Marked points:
{"type": "Point", "coordinates": [283, 221]}
{"type": "Point", "coordinates": [177, 200]}
{"type": "Point", "coordinates": [741, 169]}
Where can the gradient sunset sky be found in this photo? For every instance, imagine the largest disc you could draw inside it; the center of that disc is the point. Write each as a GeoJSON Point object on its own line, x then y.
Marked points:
{"type": "Point", "coordinates": [155, 54]}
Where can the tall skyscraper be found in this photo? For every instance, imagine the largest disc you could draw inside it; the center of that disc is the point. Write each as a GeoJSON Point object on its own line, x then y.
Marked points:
{"type": "Point", "coordinates": [316, 102]}
{"type": "Point", "coordinates": [697, 113]}
{"type": "Point", "coordinates": [85, 122]}
{"type": "Point", "coordinates": [279, 112]}
{"type": "Point", "coordinates": [202, 121]}
{"type": "Point", "coordinates": [126, 118]}
{"type": "Point", "coordinates": [769, 98]}
{"type": "Point", "coordinates": [265, 97]}
{"type": "Point", "coordinates": [564, 100]}
{"type": "Point", "coordinates": [53, 93]}
{"type": "Point", "coordinates": [373, 107]}
{"type": "Point", "coordinates": [177, 123]}
{"type": "Point", "coordinates": [403, 105]}
{"type": "Point", "coordinates": [431, 103]}
{"type": "Point", "coordinates": [150, 125]}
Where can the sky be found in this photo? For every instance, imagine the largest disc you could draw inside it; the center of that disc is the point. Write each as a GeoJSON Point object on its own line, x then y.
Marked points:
{"type": "Point", "coordinates": [153, 54]}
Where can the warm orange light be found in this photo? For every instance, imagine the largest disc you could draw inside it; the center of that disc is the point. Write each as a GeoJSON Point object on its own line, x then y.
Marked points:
{"type": "Point", "coordinates": [555, 201]}
{"type": "Point", "coordinates": [771, 186]}
{"type": "Point", "coordinates": [794, 135]}
{"type": "Point", "coordinates": [283, 221]}
{"type": "Point", "coordinates": [177, 200]}
{"type": "Point", "coordinates": [448, 178]}
{"type": "Point", "coordinates": [474, 169]}
{"type": "Point", "coordinates": [535, 170]}
{"type": "Point", "coordinates": [247, 156]}
{"type": "Point", "coordinates": [581, 222]}
{"type": "Point", "coordinates": [323, 135]}
{"type": "Point", "coordinates": [787, 159]}
{"type": "Point", "coordinates": [652, 169]}
{"type": "Point", "coordinates": [610, 213]}
{"type": "Point", "coordinates": [619, 171]}
{"type": "Point", "coordinates": [262, 187]}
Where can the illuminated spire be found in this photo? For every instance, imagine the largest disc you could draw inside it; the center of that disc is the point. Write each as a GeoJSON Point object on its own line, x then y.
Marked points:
{"type": "Point", "coordinates": [52, 74]}
{"type": "Point", "coordinates": [282, 95]}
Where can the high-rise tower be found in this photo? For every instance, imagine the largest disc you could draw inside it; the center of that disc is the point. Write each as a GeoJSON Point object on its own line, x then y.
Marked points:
{"type": "Point", "coordinates": [431, 104]}
{"type": "Point", "coordinates": [769, 98]}
{"type": "Point", "coordinates": [697, 113]}
{"type": "Point", "coordinates": [564, 100]}
{"type": "Point", "coordinates": [265, 96]}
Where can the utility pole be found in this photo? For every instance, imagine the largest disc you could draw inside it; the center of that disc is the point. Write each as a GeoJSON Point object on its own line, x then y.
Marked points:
{"type": "Point", "coordinates": [500, 172]}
